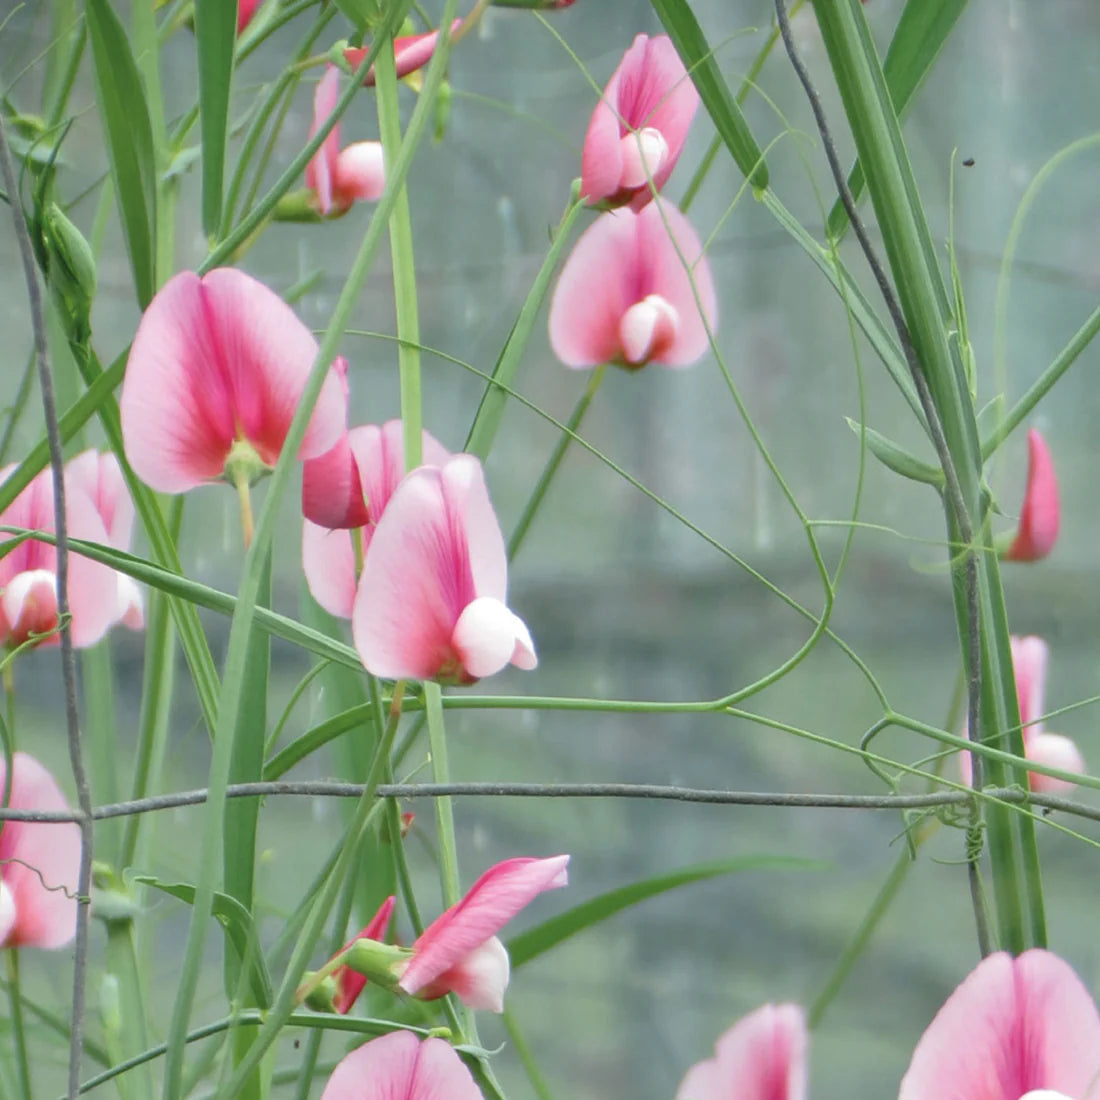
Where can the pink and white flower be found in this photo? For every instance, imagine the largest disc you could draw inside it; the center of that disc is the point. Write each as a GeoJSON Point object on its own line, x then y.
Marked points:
{"type": "Point", "coordinates": [410, 52]}
{"type": "Point", "coordinates": [217, 369]}
{"type": "Point", "coordinates": [39, 862]}
{"type": "Point", "coordinates": [762, 1057]}
{"type": "Point", "coordinates": [1015, 1028]}
{"type": "Point", "coordinates": [339, 177]}
{"type": "Point", "coordinates": [636, 289]}
{"type": "Point", "coordinates": [639, 126]}
{"type": "Point", "coordinates": [431, 598]}
{"type": "Point", "coordinates": [401, 1066]}
{"type": "Point", "coordinates": [344, 494]}
{"type": "Point", "coordinates": [1040, 516]}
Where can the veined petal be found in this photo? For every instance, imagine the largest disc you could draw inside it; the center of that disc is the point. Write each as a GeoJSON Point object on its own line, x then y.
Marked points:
{"type": "Point", "coordinates": [332, 495]}
{"type": "Point", "coordinates": [1040, 516]}
{"type": "Point", "coordinates": [40, 861]}
{"type": "Point", "coordinates": [471, 513]}
{"type": "Point", "coordinates": [99, 476]}
{"type": "Point", "coordinates": [1012, 1026]}
{"type": "Point", "coordinates": [322, 165]}
{"type": "Point", "coordinates": [492, 901]}
{"type": "Point", "coordinates": [399, 1066]}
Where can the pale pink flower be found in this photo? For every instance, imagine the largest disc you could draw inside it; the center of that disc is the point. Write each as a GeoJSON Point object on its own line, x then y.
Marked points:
{"type": "Point", "coordinates": [762, 1057]}
{"type": "Point", "coordinates": [344, 493]}
{"type": "Point", "coordinates": [1012, 1026]}
{"type": "Point", "coordinates": [459, 951]}
{"type": "Point", "coordinates": [338, 177]}
{"type": "Point", "coordinates": [218, 365]}
{"type": "Point", "coordinates": [1029, 663]}
{"type": "Point", "coordinates": [401, 1066]}
{"type": "Point", "coordinates": [100, 478]}
{"type": "Point", "coordinates": [1040, 516]}
{"type": "Point", "coordinates": [639, 126]}
{"type": "Point", "coordinates": [431, 598]}
{"type": "Point", "coordinates": [28, 574]}
{"type": "Point", "coordinates": [626, 293]}
{"type": "Point", "coordinates": [410, 52]}
{"type": "Point", "coordinates": [39, 862]}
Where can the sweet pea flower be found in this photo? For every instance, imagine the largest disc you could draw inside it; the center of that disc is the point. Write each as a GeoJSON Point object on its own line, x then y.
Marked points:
{"type": "Point", "coordinates": [1029, 663]}
{"type": "Point", "coordinates": [762, 1057]}
{"type": "Point", "coordinates": [246, 9]}
{"type": "Point", "coordinates": [410, 52]}
{"type": "Point", "coordinates": [639, 126]}
{"type": "Point", "coordinates": [1041, 513]}
{"type": "Point", "coordinates": [338, 177]}
{"type": "Point", "coordinates": [625, 294]}
{"type": "Point", "coordinates": [1015, 1028]}
{"type": "Point", "coordinates": [431, 598]}
{"type": "Point", "coordinates": [459, 952]}
{"type": "Point", "coordinates": [344, 493]}
{"type": "Point", "coordinates": [39, 862]}
{"type": "Point", "coordinates": [401, 1066]}
{"type": "Point", "coordinates": [28, 574]}
{"type": "Point", "coordinates": [215, 375]}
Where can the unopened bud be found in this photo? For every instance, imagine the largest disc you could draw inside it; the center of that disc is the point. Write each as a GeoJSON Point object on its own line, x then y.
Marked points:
{"type": "Point", "coordinates": [72, 271]}
{"type": "Point", "coordinates": [380, 963]}
{"type": "Point", "coordinates": [323, 997]}
{"type": "Point", "coordinates": [442, 109]}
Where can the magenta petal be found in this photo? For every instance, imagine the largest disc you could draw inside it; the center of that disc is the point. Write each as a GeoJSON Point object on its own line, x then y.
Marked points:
{"type": "Point", "coordinates": [492, 901]}
{"type": "Point", "coordinates": [350, 983]}
{"type": "Point", "coordinates": [411, 52]}
{"type": "Point", "coordinates": [40, 862]}
{"type": "Point", "coordinates": [1013, 1025]}
{"type": "Point", "coordinates": [322, 165]}
{"type": "Point", "coordinates": [399, 1066]}
{"type": "Point", "coordinates": [1040, 517]}
{"type": "Point", "coordinates": [471, 511]}
{"type": "Point", "coordinates": [762, 1057]}
{"type": "Point", "coordinates": [331, 492]}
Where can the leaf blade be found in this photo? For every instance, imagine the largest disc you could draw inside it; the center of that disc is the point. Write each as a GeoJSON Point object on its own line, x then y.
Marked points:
{"type": "Point", "coordinates": [215, 38]}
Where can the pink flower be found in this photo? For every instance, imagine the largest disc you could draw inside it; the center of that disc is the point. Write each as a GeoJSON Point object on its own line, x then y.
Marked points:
{"type": "Point", "coordinates": [401, 1066]}
{"type": "Point", "coordinates": [218, 366]}
{"type": "Point", "coordinates": [39, 863]}
{"type": "Point", "coordinates": [1012, 1026]}
{"type": "Point", "coordinates": [246, 9]}
{"type": "Point", "coordinates": [410, 53]}
{"type": "Point", "coordinates": [100, 478]}
{"type": "Point", "coordinates": [762, 1057]}
{"type": "Point", "coordinates": [1040, 516]}
{"type": "Point", "coordinates": [339, 177]}
{"type": "Point", "coordinates": [349, 983]}
{"type": "Point", "coordinates": [28, 574]}
{"type": "Point", "coordinates": [625, 294]}
{"type": "Point", "coordinates": [459, 952]}
{"type": "Point", "coordinates": [431, 598]}
{"type": "Point", "coordinates": [349, 487]}
{"type": "Point", "coordinates": [1029, 663]}
{"type": "Point", "coordinates": [639, 126]}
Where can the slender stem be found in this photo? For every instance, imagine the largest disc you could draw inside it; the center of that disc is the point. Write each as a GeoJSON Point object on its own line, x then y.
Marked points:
{"type": "Point", "coordinates": [244, 499]}
{"type": "Point", "coordinates": [18, 1031]}
{"type": "Point", "coordinates": [554, 461]}
{"type": "Point", "coordinates": [68, 661]}
{"type": "Point", "coordinates": [444, 808]}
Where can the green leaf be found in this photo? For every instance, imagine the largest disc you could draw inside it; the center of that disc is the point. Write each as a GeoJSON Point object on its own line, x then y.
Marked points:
{"type": "Point", "coordinates": [921, 32]}
{"type": "Point", "coordinates": [240, 932]}
{"type": "Point", "coordinates": [528, 945]}
{"type": "Point", "coordinates": [897, 458]}
{"type": "Point", "coordinates": [129, 136]}
{"type": "Point", "coordinates": [684, 30]}
{"type": "Point", "coordinates": [215, 38]}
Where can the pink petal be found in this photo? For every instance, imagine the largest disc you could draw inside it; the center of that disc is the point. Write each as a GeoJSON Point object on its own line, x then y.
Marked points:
{"type": "Point", "coordinates": [331, 492]}
{"type": "Point", "coordinates": [494, 899]}
{"type": "Point", "coordinates": [478, 981]}
{"type": "Point", "coordinates": [328, 559]}
{"type": "Point", "coordinates": [471, 511]}
{"type": "Point", "coordinates": [246, 9]}
{"type": "Point", "coordinates": [1054, 751]}
{"type": "Point", "coordinates": [360, 173]}
{"type": "Point", "coordinates": [1013, 1025]}
{"type": "Point", "coordinates": [29, 603]}
{"type": "Point", "coordinates": [7, 912]}
{"type": "Point", "coordinates": [215, 359]}
{"type": "Point", "coordinates": [398, 1066]}
{"type": "Point", "coordinates": [40, 862]}
{"type": "Point", "coordinates": [762, 1057]}
{"type": "Point", "coordinates": [350, 982]}
{"type": "Point", "coordinates": [1041, 514]}
{"type": "Point", "coordinates": [487, 635]}
{"type": "Point", "coordinates": [99, 477]}
{"type": "Point", "coordinates": [130, 609]}
{"type": "Point", "coordinates": [411, 52]}
{"type": "Point", "coordinates": [1029, 663]}
{"type": "Point", "coordinates": [322, 165]}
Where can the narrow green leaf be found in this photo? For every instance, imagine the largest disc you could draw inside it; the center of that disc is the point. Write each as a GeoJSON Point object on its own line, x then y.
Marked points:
{"type": "Point", "coordinates": [129, 138]}
{"type": "Point", "coordinates": [240, 932]}
{"type": "Point", "coordinates": [215, 38]}
{"type": "Point", "coordinates": [310, 741]}
{"type": "Point", "coordinates": [536, 941]}
{"type": "Point", "coordinates": [897, 458]}
{"type": "Point", "coordinates": [921, 32]}
{"type": "Point", "coordinates": [684, 30]}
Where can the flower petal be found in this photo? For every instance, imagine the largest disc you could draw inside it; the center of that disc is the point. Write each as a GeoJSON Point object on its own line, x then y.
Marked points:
{"type": "Point", "coordinates": [479, 980]}
{"type": "Point", "coordinates": [99, 477]}
{"type": "Point", "coordinates": [487, 635]}
{"type": "Point", "coordinates": [1013, 1025]}
{"type": "Point", "coordinates": [40, 861]}
{"type": "Point", "coordinates": [1040, 516]}
{"type": "Point", "coordinates": [492, 901]}
{"type": "Point", "coordinates": [410, 52]}
{"type": "Point", "coordinates": [322, 165]}
{"type": "Point", "coordinates": [398, 1066]}
{"type": "Point", "coordinates": [332, 495]}
{"type": "Point", "coordinates": [359, 174]}
{"type": "Point", "coordinates": [1055, 751]}
{"type": "Point", "coordinates": [350, 983]}
{"type": "Point", "coordinates": [328, 560]}
{"type": "Point", "coordinates": [1029, 663]}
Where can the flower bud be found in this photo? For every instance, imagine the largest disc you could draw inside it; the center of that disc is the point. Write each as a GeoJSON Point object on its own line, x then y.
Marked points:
{"type": "Point", "coordinates": [72, 270]}
{"type": "Point", "coordinates": [381, 963]}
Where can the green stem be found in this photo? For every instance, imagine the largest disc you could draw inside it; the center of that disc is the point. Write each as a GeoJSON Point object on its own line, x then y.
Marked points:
{"type": "Point", "coordinates": [18, 1031]}
{"type": "Point", "coordinates": [554, 461]}
{"type": "Point", "coordinates": [523, 1052]}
